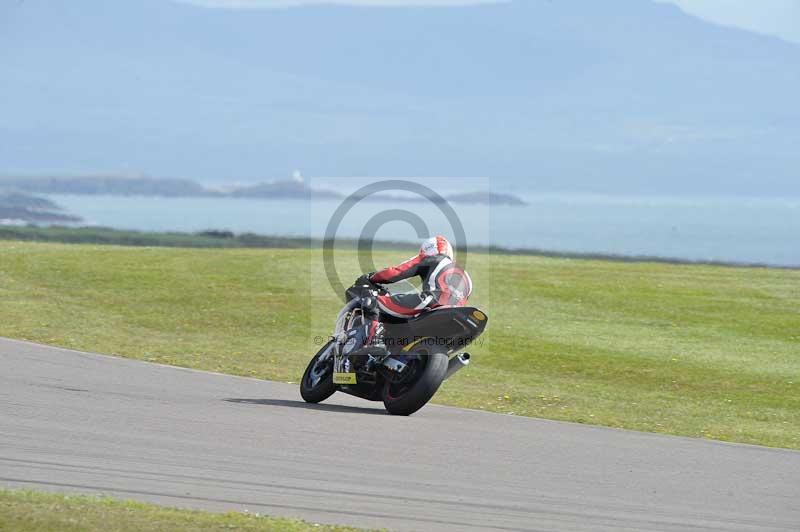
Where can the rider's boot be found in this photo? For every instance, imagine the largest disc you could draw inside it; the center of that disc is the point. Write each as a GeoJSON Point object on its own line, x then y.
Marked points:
{"type": "Point", "coordinates": [374, 346]}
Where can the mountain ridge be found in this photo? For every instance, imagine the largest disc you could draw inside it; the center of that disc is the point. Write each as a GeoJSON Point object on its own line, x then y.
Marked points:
{"type": "Point", "coordinates": [626, 96]}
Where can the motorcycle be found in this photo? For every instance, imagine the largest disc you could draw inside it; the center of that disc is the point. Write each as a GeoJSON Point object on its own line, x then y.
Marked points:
{"type": "Point", "coordinates": [423, 352]}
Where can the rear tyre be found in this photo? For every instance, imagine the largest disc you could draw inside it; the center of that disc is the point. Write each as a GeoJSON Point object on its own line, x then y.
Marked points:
{"type": "Point", "coordinates": [317, 383]}
{"type": "Point", "coordinates": [405, 398]}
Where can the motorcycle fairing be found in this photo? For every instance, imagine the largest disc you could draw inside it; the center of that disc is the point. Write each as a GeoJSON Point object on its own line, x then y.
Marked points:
{"type": "Point", "coordinates": [446, 329]}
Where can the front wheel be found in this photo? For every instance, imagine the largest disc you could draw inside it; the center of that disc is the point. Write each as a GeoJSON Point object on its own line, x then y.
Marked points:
{"type": "Point", "coordinates": [426, 375]}
{"type": "Point", "coordinates": [317, 383]}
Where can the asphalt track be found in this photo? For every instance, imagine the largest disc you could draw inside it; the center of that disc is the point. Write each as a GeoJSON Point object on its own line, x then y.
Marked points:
{"type": "Point", "coordinates": [89, 423]}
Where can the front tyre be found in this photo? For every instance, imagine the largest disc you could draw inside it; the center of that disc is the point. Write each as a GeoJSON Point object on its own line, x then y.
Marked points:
{"type": "Point", "coordinates": [405, 398]}
{"type": "Point", "coordinates": [317, 382]}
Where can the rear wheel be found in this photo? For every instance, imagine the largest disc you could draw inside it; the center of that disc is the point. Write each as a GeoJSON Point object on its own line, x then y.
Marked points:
{"type": "Point", "coordinates": [317, 383]}
{"type": "Point", "coordinates": [425, 374]}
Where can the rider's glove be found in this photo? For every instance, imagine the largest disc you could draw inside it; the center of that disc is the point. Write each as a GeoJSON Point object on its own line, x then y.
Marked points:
{"type": "Point", "coordinates": [364, 280]}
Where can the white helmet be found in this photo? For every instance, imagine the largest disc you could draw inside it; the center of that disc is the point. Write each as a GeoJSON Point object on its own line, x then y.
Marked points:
{"type": "Point", "coordinates": [437, 245]}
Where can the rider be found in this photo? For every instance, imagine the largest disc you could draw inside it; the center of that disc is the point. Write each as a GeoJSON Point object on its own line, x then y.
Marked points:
{"type": "Point", "coordinates": [444, 283]}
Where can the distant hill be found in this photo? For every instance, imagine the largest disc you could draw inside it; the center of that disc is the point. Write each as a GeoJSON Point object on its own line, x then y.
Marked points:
{"type": "Point", "coordinates": [19, 208]}
{"type": "Point", "coordinates": [106, 185]}
{"type": "Point", "coordinates": [13, 198]}
{"type": "Point", "coordinates": [292, 189]}
{"type": "Point", "coordinates": [612, 96]}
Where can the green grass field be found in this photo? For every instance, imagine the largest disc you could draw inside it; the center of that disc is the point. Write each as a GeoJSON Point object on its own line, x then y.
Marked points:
{"type": "Point", "coordinates": [701, 351]}
{"type": "Point", "coordinates": [27, 511]}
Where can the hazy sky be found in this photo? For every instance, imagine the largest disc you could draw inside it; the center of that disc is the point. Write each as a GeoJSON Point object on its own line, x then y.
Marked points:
{"type": "Point", "coordinates": [775, 17]}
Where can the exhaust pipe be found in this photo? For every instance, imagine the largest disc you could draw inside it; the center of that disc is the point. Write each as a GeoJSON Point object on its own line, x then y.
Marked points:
{"type": "Point", "coordinates": [456, 363]}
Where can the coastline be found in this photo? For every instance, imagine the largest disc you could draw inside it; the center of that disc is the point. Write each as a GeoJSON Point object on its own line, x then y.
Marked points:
{"type": "Point", "coordinates": [225, 239]}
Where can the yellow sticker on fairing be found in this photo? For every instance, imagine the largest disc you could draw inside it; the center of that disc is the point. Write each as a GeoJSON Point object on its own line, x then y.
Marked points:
{"type": "Point", "coordinates": [344, 378]}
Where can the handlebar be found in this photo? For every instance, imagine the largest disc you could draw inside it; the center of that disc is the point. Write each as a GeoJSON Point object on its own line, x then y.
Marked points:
{"type": "Point", "coordinates": [363, 284]}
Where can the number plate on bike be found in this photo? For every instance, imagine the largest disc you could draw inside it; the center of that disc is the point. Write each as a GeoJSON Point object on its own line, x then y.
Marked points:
{"type": "Point", "coordinates": [344, 378]}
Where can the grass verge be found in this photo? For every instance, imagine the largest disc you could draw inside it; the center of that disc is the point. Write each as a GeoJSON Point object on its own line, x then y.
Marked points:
{"type": "Point", "coordinates": [28, 511]}
{"type": "Point", "coordinates": [701, 351]}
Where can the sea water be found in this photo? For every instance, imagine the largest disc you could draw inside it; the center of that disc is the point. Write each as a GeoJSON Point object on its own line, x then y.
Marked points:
{"type": "Point", "coordinates": [732, 229]}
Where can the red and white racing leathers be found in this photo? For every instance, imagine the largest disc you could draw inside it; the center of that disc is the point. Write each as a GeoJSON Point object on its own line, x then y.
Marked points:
{"type": "Point", "coordinates": [444, 283]}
